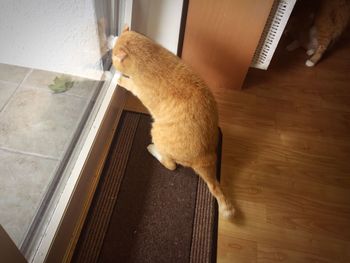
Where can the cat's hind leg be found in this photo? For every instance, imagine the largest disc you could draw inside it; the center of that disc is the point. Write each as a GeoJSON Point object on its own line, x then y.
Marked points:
{"type": "Point", "coordinates": [312, 43]}
{"type": "Point", "coordinates": [317, 55]}
{"type": "Point", "coordinates": [161, 157]}
{"type": "Point", "coordinates": [320, 40]}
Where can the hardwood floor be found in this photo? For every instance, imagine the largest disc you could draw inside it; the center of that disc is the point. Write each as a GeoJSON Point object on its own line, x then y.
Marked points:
{"type": "Point", "coordinates": [286, 161]}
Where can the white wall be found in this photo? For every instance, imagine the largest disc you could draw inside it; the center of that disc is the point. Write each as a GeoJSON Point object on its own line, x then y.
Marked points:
{"type": "Point", "coordinates": [58, 35]}
{"type": "Point", "coordinates": [62, 35]}
{"type": "Point", "coordinates": [158, 19]}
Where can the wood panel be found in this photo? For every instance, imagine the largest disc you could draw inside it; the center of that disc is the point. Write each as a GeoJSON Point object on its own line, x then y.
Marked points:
{"type": "Point", "coordinates": [287, 149]}
{"type": "Point", "coordinates": [244, 251]}
{"type": "Point", "coordinates": [221, 37]}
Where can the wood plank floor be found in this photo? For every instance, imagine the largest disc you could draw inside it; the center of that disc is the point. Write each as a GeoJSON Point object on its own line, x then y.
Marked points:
{"type": "Point", "coordinates": [286, 161]}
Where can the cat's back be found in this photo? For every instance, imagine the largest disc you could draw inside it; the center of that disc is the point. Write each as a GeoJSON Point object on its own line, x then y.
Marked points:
{"type": "Point", "coordinates": [182, 91]}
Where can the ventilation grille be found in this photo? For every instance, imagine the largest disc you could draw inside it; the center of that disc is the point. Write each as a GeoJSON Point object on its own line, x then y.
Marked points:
{"type": "Point", "coordinates": [272, 33]}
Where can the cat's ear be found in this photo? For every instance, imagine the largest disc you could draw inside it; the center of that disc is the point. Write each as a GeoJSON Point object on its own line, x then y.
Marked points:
{"type": "Point", "coordinates": [120, 55]}
{"type": "Point", "coordinates": [126, 28]}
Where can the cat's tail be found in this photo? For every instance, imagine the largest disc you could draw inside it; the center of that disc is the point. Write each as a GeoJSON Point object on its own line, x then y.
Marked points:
{"type": "Point", "coordinates": [208, 174]}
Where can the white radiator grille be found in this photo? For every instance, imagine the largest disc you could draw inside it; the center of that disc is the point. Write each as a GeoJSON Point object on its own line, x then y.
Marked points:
{"type": "Point", "coordinates": [271, 35]}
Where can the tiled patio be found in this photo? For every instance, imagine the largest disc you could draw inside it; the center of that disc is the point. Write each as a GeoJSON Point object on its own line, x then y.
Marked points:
{"type": "Point", "coordinates": [36, 129]}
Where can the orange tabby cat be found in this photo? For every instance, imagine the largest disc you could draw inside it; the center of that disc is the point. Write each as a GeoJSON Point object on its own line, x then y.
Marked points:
{"type": "Point", "coordinates": [316, 25]}
{"type": "Point", "coordinates": [331, 20]}
{"type": "Point", "coordinates": [185, 127]}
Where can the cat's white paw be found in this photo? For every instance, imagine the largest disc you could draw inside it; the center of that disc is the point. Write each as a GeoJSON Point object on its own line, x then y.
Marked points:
{"type": "Point", "coordinates": [111, 40]}
{"type": "Point", "coordinates": [152, 150]}
{"type": "Point", "coordinates": [310, 52]}
{"type": "Point", "coordinates": [309, 63]}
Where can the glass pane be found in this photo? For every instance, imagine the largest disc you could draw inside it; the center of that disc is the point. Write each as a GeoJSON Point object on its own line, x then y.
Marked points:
{"type": "Point", "coordinates": [53, 55]}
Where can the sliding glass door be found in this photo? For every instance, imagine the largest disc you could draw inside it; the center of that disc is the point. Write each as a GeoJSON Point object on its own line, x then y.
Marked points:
{"type": "Point", "coordinates": [54, 66]}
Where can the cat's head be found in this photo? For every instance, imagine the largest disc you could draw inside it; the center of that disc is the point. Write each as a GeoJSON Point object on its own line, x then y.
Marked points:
{"type": "Point", "coordinates": [122, 55]}
{"type": "Point", "coordinates": [133, 53]}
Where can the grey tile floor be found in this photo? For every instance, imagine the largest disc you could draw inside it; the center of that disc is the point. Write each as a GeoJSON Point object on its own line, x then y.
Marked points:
{"type": "Point", "coordinates": [36, 128]}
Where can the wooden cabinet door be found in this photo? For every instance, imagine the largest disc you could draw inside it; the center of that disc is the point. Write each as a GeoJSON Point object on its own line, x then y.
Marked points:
{"type": "Point", "coordinates": [221, 37]}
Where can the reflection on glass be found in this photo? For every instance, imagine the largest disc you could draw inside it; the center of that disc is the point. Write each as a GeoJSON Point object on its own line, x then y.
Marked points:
{"type": "Point", "coordinates": [52, 58]}
{"type": "Point", "coordinates": [41, 112]}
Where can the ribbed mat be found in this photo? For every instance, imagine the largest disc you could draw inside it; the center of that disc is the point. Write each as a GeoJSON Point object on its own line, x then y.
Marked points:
{"type": "Point", "coordinates": [142, 212]}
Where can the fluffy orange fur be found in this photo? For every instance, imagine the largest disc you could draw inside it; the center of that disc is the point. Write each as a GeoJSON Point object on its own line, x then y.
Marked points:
{"type": "Point", "coordinates": [185, 118]}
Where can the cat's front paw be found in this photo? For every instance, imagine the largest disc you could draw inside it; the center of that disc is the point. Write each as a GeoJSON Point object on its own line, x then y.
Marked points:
{"type": "Point", "coordinates": [121, 81]}
{"type": "Point", "coordinates": [128, 84]}
{"type": "Point", "coordinates": [309, 63]}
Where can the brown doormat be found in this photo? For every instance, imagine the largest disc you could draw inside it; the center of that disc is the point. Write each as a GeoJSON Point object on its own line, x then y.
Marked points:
{"type": "Point", "coordinates": [142, 212]}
